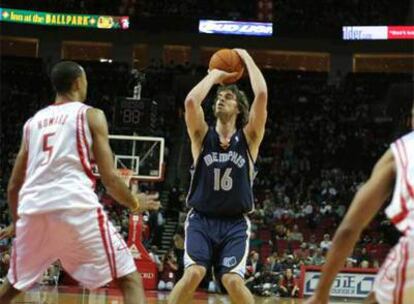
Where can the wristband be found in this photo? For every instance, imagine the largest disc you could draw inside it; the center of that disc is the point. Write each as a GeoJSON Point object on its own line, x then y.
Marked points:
{"type": "Point", "coordinates": [136, 208]}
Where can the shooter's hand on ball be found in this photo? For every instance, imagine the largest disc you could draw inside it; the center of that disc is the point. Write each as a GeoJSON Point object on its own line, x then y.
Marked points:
{"type": "Point", "coordinates": [220, 76]}
{"type": "Point", "coordinates": [243, 54]}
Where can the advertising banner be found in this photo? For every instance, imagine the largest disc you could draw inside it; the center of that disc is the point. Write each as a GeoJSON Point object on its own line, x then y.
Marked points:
{"type": "Point", "coordinates": [349, 283]}
{"type": "Point", "coordinates": [58, 19]}
{"type": "Point", "coordinates": [235, 28]}
{"type": "Point", "coordinates": [377, 32]}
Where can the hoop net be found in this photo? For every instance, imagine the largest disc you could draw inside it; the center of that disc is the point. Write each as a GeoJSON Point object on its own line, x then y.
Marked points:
{"type": "Point", "coordinates": [126, 175]}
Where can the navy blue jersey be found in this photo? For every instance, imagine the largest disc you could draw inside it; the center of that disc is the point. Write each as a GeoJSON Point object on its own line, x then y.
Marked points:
{"type": "Point", "coordinates": [222, 179]}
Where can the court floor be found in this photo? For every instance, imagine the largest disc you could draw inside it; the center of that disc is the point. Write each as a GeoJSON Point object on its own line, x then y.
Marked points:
{"type": "Point", "coordinates": [66, 295]}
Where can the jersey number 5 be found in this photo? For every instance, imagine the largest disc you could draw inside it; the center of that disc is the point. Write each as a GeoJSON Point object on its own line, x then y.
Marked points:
{"type": "Point", "coordinates": [47, 148]}
{"type": "Point", "coordinates": [224, 182]}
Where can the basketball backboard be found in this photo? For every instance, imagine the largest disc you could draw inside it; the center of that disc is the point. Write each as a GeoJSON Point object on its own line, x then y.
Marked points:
{"type": "Point", "coordinates": [143, 155]}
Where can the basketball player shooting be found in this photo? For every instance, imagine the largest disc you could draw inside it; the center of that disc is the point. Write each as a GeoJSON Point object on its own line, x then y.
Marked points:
{"type": "Point", "coordinates": [217, 228]}
{"type": "Point", "coordinates": [55, 211]}
{"type": "Point", "coordinates": [394, 283]}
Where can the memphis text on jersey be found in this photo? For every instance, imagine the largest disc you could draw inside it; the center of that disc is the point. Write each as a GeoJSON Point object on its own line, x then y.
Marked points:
{"type": "Point", "coordinates": [215, 157]}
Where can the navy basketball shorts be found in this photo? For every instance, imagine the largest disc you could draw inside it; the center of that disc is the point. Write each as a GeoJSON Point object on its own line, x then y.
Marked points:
{"type": "Point", "coordinates": [219, 242]}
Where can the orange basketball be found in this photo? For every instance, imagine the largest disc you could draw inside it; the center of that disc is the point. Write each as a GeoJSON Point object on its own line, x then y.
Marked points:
{"type": "Point", "coordinates": [229, 61]}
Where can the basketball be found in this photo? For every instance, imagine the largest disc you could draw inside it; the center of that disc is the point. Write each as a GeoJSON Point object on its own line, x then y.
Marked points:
{"type": "Point", "coordinates": [229, 61]}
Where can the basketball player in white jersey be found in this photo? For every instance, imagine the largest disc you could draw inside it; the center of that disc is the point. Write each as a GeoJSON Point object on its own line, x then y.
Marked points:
{"type": "Point", "coordinates": [394, 283]}
{"type": "Point", "coordinates": [55, 211]}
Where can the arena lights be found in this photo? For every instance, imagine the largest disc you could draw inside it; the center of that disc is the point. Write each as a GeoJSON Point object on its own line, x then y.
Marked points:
{"type": "Point", "coordinates": [57, 19]}
{"type": "Point", "coordinates": [377, 32]}
{"type": "Point", "coordinates": [235, 28]}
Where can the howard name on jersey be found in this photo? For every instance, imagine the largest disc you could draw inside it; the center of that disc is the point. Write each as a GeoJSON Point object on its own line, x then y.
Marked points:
{"type": "Point", "coordinates": [58, 172]}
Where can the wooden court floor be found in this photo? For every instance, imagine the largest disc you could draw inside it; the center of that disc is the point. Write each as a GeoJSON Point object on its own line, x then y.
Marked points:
{"type": "Point", "coordinates": [62, 295]}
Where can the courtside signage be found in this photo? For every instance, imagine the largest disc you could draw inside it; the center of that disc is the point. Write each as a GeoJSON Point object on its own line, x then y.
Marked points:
{"type": "Point", "coordinates": [377, 32]}
{"type": "Point", "coordinates": [57, 19]}
{"type": "Point", "coordinates": [346, 285]}
{"type": "Point", "coordinates": [235, 28]}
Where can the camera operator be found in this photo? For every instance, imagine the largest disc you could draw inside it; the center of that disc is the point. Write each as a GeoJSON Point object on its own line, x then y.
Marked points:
{"type": "Point", "coordinates": [168, 270]}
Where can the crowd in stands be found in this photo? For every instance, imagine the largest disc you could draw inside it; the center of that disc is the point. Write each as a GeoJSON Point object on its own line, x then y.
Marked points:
{"type": "Point", "coordinates": [295, 14]}
{"type": "Point", "coordinates": [321, 141]}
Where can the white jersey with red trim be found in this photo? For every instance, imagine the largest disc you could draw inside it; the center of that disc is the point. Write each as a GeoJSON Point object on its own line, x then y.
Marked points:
{"type": "Point", "coordinates": [58, 173]}
{"type": "Point", "coordinates": [401, 209]}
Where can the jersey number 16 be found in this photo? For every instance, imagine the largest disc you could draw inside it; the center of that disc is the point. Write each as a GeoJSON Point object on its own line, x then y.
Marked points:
{"type": "Point", "coordinates": [224, 182]}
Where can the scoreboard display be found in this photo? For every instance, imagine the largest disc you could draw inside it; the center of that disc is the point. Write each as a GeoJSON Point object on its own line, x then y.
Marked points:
{"type": "Point", "coordinates": [135, 114]}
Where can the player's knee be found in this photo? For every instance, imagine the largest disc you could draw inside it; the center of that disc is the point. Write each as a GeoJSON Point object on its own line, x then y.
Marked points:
{"type": "Point", "coordinates": [194, 275]}
{"type": "Point", "coordinates": [131, 280]}
{"type": "Point", "coordinates": [232, 281]}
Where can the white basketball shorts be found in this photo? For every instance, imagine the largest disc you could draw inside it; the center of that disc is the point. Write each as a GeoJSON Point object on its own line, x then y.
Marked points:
{"type": "Point", "coordinates": [84, 241]}
{"type": "Point", "coordinates": [394, 283]}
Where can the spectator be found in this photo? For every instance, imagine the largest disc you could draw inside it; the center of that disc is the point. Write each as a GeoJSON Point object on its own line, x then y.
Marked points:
{"type": "Point", "coordinates": [265, 283]}
{"type": "Point", "coordinates": [278, 212]}
{"type": "Point", "coordinates": [317, 259]}
{"type": "Point", "coordinates": [326, 243]}
{"type": "Point", "coordinates": [168, 271]}
{"type": "Point", "coordinates": [364, 264]}
{"type": "Point", "coordinates": [274, 264]}
{"type": "Point", "coordinates": [308, 209]}
{"type": "Point", "coordinates": [325, 209]}
{"type": "Point", "coordinates": [288, 285]}
{"type": "Point", "coordinates": [280, 232]}
{"type": "Point", "coordinates": [340, 211]}
{"type": "Point", "coordinates": [254, 266]}
{"type": "Point", "coordinates": [302, 253]}
{"type": "Point", "coordinates": [376, 264]}
{"type": "Point", "coordinates": [4, 242]}
{"type": "Point", "coordinates": [289, 262]}
{"type": "Point", "coordinates": [295, 234]}
{"type": "Point", "coordinates": [364, 256]}
{"type": "Point", "coordinates": [52, 274]}
{"type": "Point", "coordinates": [4, 264]}
{"type": "Point", "coordinates": [312, 243]}
{"type": "Point", "coordinates": [255, 243]}
{"type": "Point", "coordinates": [350, 263]}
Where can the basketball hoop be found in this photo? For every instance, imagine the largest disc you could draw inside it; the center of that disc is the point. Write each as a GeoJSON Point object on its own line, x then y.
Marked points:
{"type": "Point", "coordinates": [126, 175]}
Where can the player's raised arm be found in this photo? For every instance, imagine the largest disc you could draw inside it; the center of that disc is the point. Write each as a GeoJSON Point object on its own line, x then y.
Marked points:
{"type": "Point", "coordinates": [365, 205]}
{"type": "Point", "coordinates": [194, 114]}
{"type": "Point", "coordinates": [103, 157]}
{"type": "Point", "coordinates": [255, 127]}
